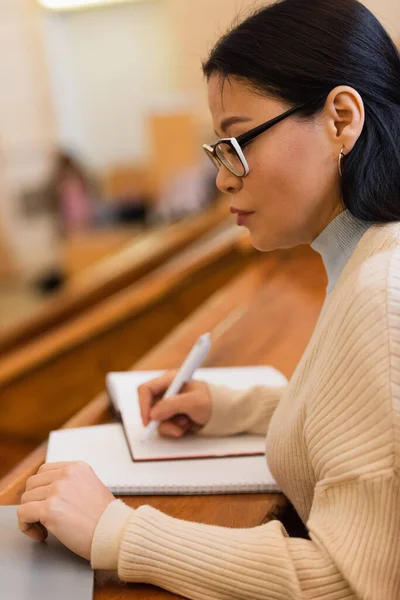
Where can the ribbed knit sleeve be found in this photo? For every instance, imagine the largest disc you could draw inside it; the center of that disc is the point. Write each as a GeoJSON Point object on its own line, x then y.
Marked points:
{"type": "Point", "coordinates": [234, 411]}
{"type": "Point", "coordinates": [353, 553]}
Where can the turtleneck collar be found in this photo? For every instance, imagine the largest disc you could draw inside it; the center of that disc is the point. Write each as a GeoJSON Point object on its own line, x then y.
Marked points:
{"type": "Point", "coordinates": [337, 243]}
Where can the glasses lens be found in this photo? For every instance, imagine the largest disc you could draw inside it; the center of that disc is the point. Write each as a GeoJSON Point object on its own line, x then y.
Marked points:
{"type": "Point", "coordinates": [211, 156]}
{"type": "Point", "coordinates": [230, 159]}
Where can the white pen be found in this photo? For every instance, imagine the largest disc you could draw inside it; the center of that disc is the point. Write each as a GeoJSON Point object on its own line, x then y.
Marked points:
{"type": "Point", "coordinates": [192, 362]}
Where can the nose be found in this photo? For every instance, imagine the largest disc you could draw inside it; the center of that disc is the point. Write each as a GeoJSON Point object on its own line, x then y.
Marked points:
{"type": "Point", "coordinates": [228, 183]}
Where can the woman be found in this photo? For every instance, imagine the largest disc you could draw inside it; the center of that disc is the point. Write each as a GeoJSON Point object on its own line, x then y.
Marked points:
{"type": "Point", "coordinates": [326, 172]}
{"type": "Point", "coordinates": [72, 194]}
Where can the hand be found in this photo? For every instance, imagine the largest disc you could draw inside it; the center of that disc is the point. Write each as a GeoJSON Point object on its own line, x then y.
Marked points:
{"type": "Point", "coordinates": [66, 499]}
{"type": "Point", "coordinates": [186, 412]}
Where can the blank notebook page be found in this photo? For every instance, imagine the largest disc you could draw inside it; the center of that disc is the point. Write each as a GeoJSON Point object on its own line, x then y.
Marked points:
{"type": "Point", "coordinates": [105, 449]}
{"type": "Point", "coordinates": [123, 391]}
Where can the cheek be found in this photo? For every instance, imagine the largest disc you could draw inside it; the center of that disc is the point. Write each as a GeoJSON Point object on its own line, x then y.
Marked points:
{"type": "Point", "coordinates": [290, 171]}
{"type": "Point", "coordinates": [287, 184]}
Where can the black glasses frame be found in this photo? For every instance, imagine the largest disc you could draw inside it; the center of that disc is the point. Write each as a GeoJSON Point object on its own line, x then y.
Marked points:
{"type": "Point", "coordinates": [246, 138]}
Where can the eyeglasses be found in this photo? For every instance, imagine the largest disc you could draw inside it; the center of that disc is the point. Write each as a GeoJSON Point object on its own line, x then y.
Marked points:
{"type": "Point", "coordinates": [229, 151]}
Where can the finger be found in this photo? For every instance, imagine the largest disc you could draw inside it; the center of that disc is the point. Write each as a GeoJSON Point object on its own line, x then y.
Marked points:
{"type": "Point", "coordinates": [55, 466]}
{"type": "Point", "coordinates": [170, 407]}
{"type": "Point", "coordinates": [145, 399]}
{"type": "Point", "coordinates": [170, 429]}
{"type": "Point", "coordinates": [29, 517]}
{"type": "Point", "coordinates": [182, 421]}
{"type": "Point", "coordinates": [37, 494]}
{"type": "Point", "coordinates": [150, 390]}
{"type": "Point", "coordinates": [40, 480]}
{"type": "Point", "coordinates": [35, 531]}
{"type": "Point", "coordinates": [31, 513]}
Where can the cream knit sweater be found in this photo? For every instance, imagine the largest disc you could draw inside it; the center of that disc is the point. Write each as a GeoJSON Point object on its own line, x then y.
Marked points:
{"type": "Point", "coordinates": [333, 446]}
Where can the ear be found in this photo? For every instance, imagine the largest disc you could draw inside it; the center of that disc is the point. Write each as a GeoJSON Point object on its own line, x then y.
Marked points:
{"type": "Point", "coordinates": [345, 112]}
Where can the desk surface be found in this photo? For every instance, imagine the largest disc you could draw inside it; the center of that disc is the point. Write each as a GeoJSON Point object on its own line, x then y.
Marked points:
{"type": "Point", "coordinates": [266, 316]}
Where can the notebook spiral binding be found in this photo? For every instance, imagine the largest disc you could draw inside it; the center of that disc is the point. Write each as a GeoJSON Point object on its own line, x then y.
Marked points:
{"type": "Point", "coordinates": [169, 490]}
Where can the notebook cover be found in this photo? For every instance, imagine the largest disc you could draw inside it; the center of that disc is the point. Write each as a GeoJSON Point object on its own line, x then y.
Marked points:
{"type": "Point", "coordinates": [122, 389]}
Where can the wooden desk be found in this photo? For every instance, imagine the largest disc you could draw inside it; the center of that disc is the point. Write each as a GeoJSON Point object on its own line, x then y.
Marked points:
{"type": "Point", "coordinates": [8, 269]}
{"type": "Point", "coordinates": [113, 274]}
{"type": "Point", "coordinates": [45, 383]}
{"type": "Point", "coordinates": [85, 249]}
{"type": "Point", "coordinates": [265, 316]}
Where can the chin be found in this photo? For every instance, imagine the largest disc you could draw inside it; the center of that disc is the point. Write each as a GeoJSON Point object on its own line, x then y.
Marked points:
{"type": "Point", "coordinates": [268, 244]}
{"type": "Point", "coordinates": [262, 244]}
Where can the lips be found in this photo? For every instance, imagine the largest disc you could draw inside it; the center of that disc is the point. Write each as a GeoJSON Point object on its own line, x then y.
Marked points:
{"type": "Point", "coordinates": [237, 211]}
{"type": "Point", "coordinates": [241, 215]}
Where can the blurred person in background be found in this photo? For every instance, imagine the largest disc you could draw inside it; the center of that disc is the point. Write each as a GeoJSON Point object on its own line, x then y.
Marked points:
{"type": "Point", "coordinates": [72, 195]}
{"type": "Point", "coordinates": [72, 202]}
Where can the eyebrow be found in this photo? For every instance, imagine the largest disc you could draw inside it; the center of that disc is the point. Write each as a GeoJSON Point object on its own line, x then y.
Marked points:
{"type": "Point", "coordinates": [228, 122]}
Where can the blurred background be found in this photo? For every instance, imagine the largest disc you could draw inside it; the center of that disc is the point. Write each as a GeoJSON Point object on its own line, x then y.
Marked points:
{"type": "Point", "coordinates": [103, 111]}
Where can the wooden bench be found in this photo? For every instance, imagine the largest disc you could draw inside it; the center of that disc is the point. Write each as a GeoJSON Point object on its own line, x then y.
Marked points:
{"type": "Point", "coordinates": [264, 317]}
{"type": "Point", "coordinates": [85, 249]}
{"type": "Point", "coordinates": [46, 382]}
{"type": "Point", "coordinates": [8, 268]}
{"type": "Point", "coordinates": [113, 274]}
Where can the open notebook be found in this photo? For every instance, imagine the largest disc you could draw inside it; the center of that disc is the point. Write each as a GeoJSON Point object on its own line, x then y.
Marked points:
{"type": "Point", "coordinates": [122, 389]}
{"type": "Point", "coordinates": [106, 449]}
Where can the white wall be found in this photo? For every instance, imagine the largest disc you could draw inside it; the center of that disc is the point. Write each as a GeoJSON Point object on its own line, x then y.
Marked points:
{"type": "Point", "coordinates": [27, 131]}
{"type": "Point", "coordinates": [388, 12]}
{"type": "Point", "coordinates": [106, 67]}
{"type": "Point", "coordinates": [196, 26]}
{"type": "Point", "coordinates": [110, 65]}
{"type": "Point", "coordinates": [26, 116]}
